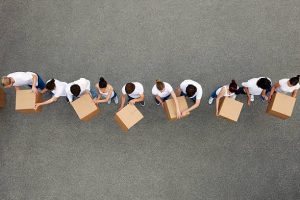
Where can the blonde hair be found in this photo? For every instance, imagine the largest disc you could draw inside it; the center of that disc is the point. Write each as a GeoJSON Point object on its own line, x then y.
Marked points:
{"type": "Point", "coordinates": [5, 81]}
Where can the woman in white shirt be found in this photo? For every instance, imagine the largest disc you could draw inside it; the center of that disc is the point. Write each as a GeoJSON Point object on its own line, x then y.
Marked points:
{"type": "Point", "coordinates": [162, 91]}
{"type": "Point", "coordinates": [57, 88]}
{"type": "Point", "coordinates": [134, 92]}
{"type": "Point", "coordinates": [19, 79]}
{"type": "Point", "coordinates": [224, 91]}
{"type": "Point", "coordinates": [77, 88]}
{"type": "Point", "coordinates": [287, 86]}
{"type": "Point", "coordinates": [105, 92]}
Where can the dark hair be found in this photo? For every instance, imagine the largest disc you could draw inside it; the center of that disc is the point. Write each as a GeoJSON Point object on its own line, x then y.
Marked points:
{"type": "Point", "coordinates": [50, 85]}
{"type": "Point", "coordinates": [75, 90]}
{"type": "Point", "coordinates": [160, 85]}
{"type": "Point", "coordinates": [102, 83]}
{"type": "Point", "coordinates": [233, 86]}
{"type": "Point", "coordinates": [295, 80]}
{"type": "Point", "coordinates": [129, 88]}
{"type": "Point", "coordinates": [191, 90]}
{"type": "Point", "coordinates": [264, 83]}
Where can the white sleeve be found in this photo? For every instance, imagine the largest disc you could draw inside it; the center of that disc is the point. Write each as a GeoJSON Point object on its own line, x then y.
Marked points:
{"type": "Point", "coordinates": [123, 90]}
{"type": "Point", "coordinates": [199, 93]}
{"type": "Point", "coordinates": [88, 87]}
{"type": "Point", "coordinates": [154, 90]}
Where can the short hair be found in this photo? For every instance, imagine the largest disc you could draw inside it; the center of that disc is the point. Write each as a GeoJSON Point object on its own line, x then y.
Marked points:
{"type": "Point", "coordinates": [191, 90]}
{"type": "Point", "coordinates": [233, 86]}
{"type": "Point", "coordinates": [295, 80]}
{"type": "Point", "coordinates": [160, 85]}
{"type": "Point", "coordinates": [102, 83]}
{"type": "Point", "coordinates": [129, 88]}
{"type": "Point", "coordinates": [6, 81]}
{"type": "Point", "coordinates": [264, 83]}
{"type": "Point", "coordinates": [50, 85]}
{"type": "Point", "coordinates": [75, 90]}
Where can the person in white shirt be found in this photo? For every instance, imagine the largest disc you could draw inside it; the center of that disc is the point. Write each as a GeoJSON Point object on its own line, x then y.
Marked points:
{"type": "Point", "coordinates": [192, 90]}
{"type": "Point", "coordinates": [19, 79]}
{"type": "Point", "coordinates": [224, 91]}
{"type": "Point", "coordinates": [57, 88]}
{"type": "Point", "coordinates": [77, 88]}
{"type": "Point", "coordinates": [134, 92]}
{"type": "Point", "coordinates": [162, 91]}
{"type": "Point", "coordinates": [286, 86]}
{"type": "Point", "coordinates": [104, 92]}
{"type": "Point", "coordinates": [256, 86]}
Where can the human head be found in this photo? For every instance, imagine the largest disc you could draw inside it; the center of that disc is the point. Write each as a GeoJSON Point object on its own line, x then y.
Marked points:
{"type": "Point", "coordinates": [160, 85]}
{"type": "Point", "coordinates": [295, 80]}
{"type": "Point", "coordinates": [50, 85]}
{"type": "Point", "coordinates": [264, 83]}
{"type": "Point", "coordinates": [191, 90]}
{"type": "Point", "coordinates": [6, 81]}
{"type": "Point", "coordinates": [102, 83]}
{"type": "Point", "coordinates": [233, 86]}
{"type": "Point", "coordinates": [129, 88]}
{"type": "Point", "coordinates": [75, 90]}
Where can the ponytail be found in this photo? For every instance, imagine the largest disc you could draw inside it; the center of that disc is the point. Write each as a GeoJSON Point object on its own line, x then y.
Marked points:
{"type": "Point", "coordinates": [233, 86]}
{"type": "Point", "coordinates": [102, 82]}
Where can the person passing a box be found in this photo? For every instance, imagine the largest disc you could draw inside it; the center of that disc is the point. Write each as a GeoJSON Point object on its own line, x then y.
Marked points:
{"type": "Point", "coordinates": [286, 86]}
{"type": "Point", "coordinates": [19, 79]}
{"type": "Point", "coordinates": [134, 92]}
{"type": "Point", "coordinates": [104, 92]}
{"type": "Point", "coordinates": [224, 91]}
{"type": "Point", "coordinates": [78, 88]}
{"type": "Point", "coordinates": [192, 90]}
{"type": "Point", "coordinates": [161, 92]}
{"type": "Point", "coordinates": [256, 86]}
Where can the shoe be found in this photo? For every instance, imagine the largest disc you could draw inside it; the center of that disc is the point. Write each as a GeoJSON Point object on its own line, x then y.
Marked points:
{"type": "Point", "coordinates": [157, 103]}
{"type": "Point", "coordinates": [116, 100]}
{"type": "Point", "coordinates": [210, 100]}
{"type": "Point", "coordinates": [109, 101]}
{"type": "Point", "coordinates": [142, 103]}
{"type": "Point", "coordinates": [251, 97]}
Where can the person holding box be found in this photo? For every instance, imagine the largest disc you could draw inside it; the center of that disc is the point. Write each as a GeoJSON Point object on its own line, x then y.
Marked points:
{"type": "Point", "coordinates": [224, 91]}
{"type": "Point", "coordinates": [57, 88]}
{"type": "Point", "coordinates": [18, 79]}
{"type": "Point", "coordinates": [192, 90]}
{"type": "Point", "coordinates": [256, 86]}
{"type": "Point", "coordinates": [162, 92]}
{"type": "Point", "coordinates": [77, 88]}
{"type": "Point", "coordinates": [104, 92]}
{"type": "Point", "coordinates": [134, 92]}
{"type": "Point", "coordinates": [286, 86]}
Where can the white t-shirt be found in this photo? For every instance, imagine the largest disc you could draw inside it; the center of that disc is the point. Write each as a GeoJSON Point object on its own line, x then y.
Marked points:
{"type": "Point", "coordinates": [22, 78]}
{"type": "Point", "coordinates": [199, 91]}
{"type": "Point", "coordinates": [252, 86]}
{"type": "Point", "coordinates": [285, 88]}
{"type": "Point", "coordinates": [84, 85]}
{"type": "Point", "coordinates": [138, 91]}
{"type": "Point", "coordinates": [227, 92]}
{"type": "Point", "coordinates": [60, 88]}
{"type": "Point", "coordinates": [166, 92]}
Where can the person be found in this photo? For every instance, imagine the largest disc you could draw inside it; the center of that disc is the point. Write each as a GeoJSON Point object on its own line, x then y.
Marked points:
{"type": "Point", "coordinates": [78, 88]}
{"type": "Point", "coordinates": [256, 86]}
{"type": "Point", "coordinates": [192, 90]}
{"type": "Point", "coordinates": [162, 91]}
{"type": "Point", "coordinates": [57, 88]}
{"type": "Point", "coordinates": [134, 92]}
{"type": "Point", "coordinates": [105, 92]}
{"type": "Point", "coordinates": [286, 86]}
{"type": "Point", "coordinates": [19, 79]}
{"type": "Point", "coordinates": [224, 91]}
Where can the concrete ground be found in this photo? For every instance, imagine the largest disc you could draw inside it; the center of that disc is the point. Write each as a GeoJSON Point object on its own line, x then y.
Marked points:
{"type": "Point", "coordinates": [52, 155]}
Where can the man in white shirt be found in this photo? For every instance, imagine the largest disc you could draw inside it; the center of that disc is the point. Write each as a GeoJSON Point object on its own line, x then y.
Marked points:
{"type": "Point", "coordinates": [134, 92]}
{"type": "Point", "coordinates": [192, 90]}
{"type": "Point", "coordinates": [77, 88]}
{"type": "Point", "coordinates": [19, 79]}
{"type": "Point", "coordinates": [286, 86]}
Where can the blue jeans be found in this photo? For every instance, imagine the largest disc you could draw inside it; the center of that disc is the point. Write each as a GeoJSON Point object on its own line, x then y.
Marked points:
{"type": "Point", "coordinates": [214, 93]}
{"type": "Point", "coordinates": [41, 84]}
{"type": "Point", "coordinates": [163, 99]}
{"type": "Point", "coordinates": [193, 98]}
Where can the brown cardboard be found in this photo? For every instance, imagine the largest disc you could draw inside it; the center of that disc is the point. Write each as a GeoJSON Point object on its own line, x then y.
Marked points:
{"type": "Point", "coordinates": [85, 107]}
{"type": "Point", "coordinates": [128, 117]}
{"type": "Point", "coordinates": [230, 108]}
{"type": "Point", "coordinates": [281, 106]}
{"type": "Point", "coordinates": [26, 100]}
{"type": "Point", "coordinates": [170, 108]}
{"type": "Point", "coordinates": [2, 98]}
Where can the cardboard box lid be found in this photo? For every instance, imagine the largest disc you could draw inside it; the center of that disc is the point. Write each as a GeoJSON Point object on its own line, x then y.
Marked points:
{"type": "Point", "coordinates": [25, 99]}
{"type": "Point", "coordinates": [171, 108]}
{"type": "Point", "coordinates": [129, 115]}
{"type": "Point", "coordinates": [283, 104]}
{"type": "Point", "coordinates": [230, 108]}
{"type": "Point", "coordinates": [84, 106]}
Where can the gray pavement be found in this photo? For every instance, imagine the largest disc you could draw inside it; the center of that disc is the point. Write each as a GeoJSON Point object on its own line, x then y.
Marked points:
{"type": "Point", "coordinates": [52, 155]}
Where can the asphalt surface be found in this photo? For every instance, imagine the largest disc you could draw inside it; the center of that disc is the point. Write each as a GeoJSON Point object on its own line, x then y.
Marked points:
{"type": "Point", "coordinates": [53, 155]}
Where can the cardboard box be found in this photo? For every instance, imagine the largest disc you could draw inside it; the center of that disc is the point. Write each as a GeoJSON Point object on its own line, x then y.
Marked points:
{"type": "Point", "coordinates": [2, 98]}
{"type": "Point", "coordinates": [281, 106]}
{"type": "Point", "coordinates": [26, 100]}
{"type": "Point", "coordinates": [170, 108]}
{"type": "Point", "coordinates": [128, 117]}
{"type": "Point", "coordinates": [85, 107]}
{"type": "Point", "coordinates": [230, 108]}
